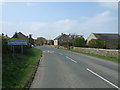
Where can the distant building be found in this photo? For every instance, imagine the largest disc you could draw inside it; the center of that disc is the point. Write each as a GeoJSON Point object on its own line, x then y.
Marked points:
{"type": "Point", "coordinates": [72, 36]}
{"type": "Point", "coordinates": [111, 39]}
{"type": "Point", "coordinates": [20, 35]}
{"type": "Point", "coordinates": [3, 36]}
{"type": "Point", "coordinates": [64, 38]}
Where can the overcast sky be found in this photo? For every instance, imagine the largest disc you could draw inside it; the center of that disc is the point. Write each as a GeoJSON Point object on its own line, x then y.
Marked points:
{"type": "Point", "coordinates": [50, 19]}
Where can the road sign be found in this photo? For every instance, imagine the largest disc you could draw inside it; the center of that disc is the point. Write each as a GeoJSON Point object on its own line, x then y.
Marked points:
{"type": "Point", "coordinates": [18, 41]}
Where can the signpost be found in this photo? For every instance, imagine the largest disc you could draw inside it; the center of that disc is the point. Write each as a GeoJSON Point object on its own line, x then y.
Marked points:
{"type": "Point", "coordinates": [21, 42]}
{"type": "Point", "coordinates": [17, 41]}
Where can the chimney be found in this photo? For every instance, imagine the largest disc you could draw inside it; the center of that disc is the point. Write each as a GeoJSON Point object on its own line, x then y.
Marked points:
{"type": "Point", "coordinates": [6, 35]}
{"type": "Point", "coordinates": [30, 35]}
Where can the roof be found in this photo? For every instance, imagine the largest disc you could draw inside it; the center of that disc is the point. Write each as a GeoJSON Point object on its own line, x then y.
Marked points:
{"type": "Point", "coordinates": [60, 36]}
{"type": "Point", "coordinates": [107, 36]}
{"type": "Point", "coordinates": [70, 36]}
{"type": "Point", "coordinates": [75, 36]}
{"type": "Point", "coordinates": [21, 35]}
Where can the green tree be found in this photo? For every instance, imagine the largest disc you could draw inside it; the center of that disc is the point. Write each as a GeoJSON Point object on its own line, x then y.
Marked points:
{"type": "Point", "coordinates": [78, 42]}
{"type": "Point", "coordinates": [40, 41]}
{"type": "Point", "coordinates": [15, 35]}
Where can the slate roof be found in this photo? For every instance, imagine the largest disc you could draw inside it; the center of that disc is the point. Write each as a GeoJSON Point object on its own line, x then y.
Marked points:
{"type": "Point", "coordinates": [60, 36]}
{"type": "Point", "coordinates": [106, 36]}
{"type": "Point", "coordinates": [21, 36]}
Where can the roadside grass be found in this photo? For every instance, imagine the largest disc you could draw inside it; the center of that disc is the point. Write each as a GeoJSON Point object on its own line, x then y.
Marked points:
{"type": "Point", "coordinates": [17, 71]}
{"type": "Point", "coordinates": [110, 58]}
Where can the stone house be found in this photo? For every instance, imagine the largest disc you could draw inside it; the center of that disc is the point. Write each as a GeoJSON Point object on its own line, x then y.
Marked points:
{"type": "Point", "coordinates": [111, 39]}
{"type": "Point", "coordinates": [22, 36]}
{"type": "Point", "coordinates": [60, 39]}
{"type": "Point", "coordinates": [63, 38]}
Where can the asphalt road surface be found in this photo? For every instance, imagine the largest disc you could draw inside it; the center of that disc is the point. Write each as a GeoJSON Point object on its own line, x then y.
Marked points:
{"type": "Point", "coordinates": [64, 69]}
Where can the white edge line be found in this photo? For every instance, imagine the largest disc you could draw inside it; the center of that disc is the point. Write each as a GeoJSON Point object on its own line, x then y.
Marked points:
{"type": "Point", "coordinates": [103, 78]}
{"type": "Point", "coordinates": [71, 59]}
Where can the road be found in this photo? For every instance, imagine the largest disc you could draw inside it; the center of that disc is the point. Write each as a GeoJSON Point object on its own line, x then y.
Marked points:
{"type": "Point", "coordinates": [64, 69]}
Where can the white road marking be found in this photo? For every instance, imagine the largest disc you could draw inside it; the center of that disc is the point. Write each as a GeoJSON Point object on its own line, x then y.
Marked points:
{"type": "Point", "coordinates": [103, 78]}
{"type": "Point", "coordinates": [60, 53]}
{"type": "Point", "coordinates": [71, 59]}
{"type": "Point", "coordinates": [48, 51]}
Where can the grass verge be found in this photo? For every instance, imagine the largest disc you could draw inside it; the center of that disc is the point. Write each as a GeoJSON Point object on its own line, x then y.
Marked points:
{"type": "Point", "coordinates": [18, 70]}
{"type": "Point", "coordinates": [110, 58]}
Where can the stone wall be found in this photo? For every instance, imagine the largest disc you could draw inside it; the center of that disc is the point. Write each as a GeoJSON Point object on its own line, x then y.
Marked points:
{"type": "Point", "coordinates": [104, 52]}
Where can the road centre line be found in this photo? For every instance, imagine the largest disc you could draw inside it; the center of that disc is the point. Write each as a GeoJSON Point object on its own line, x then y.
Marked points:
{"type": "Point", "coordinates": [103, 78]}
{"type": "Point", "coordinates": [71, 59]}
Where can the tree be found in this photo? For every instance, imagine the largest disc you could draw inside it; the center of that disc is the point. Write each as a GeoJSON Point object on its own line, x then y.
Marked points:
{"type": "Point", "coordinates": [15, 35]}
{"type": "Point", "coordinates": [40, 41]}
{"type": "Point", "coordinates": [78, 42]}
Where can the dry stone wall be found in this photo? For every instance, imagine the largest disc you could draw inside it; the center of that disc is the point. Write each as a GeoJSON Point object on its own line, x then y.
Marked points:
{"type": "Point", "coordinates": [104, 52]}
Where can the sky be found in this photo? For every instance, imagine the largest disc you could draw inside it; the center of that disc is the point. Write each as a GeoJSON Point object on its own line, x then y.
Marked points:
{"type": "Point", "coordinates": [50, 19]}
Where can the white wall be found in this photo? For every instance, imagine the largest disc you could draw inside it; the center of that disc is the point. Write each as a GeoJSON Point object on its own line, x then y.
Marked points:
{"type": "Point", "coordinates": [55, 42]}
{"type": "Point", "coordinates": [92, 36]}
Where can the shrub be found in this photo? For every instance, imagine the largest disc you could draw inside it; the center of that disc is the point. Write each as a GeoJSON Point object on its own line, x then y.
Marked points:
{"type": "Point", "coordinates": [94, 43]}
{"type": "Point", "coordinates": [118, 45]}
{"type": "Point", "coordinates": [78, 42]}
{"type": "Point", "coordinates": [65, 44]}
{"type": "Point", "coordinates": [103, 44]}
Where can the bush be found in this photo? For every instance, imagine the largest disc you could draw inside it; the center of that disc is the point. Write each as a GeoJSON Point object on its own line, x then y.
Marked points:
{"type": "Point", "coordinates": [65, 44]}
{"type": "Point", "coordinates": [103, 44]}
{"type": "Point", "coordinates": [78, 42]}
{"type": "Point", "coordinates": [118, 45]}
{"type": "Point", "coordinates": [94, 43]}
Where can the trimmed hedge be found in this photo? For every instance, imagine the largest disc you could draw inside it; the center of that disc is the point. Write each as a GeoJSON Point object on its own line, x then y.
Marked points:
{"type": "Point", "coordinates": [78, 42]}
{"type": "Point", "coordinates": [94, 43]}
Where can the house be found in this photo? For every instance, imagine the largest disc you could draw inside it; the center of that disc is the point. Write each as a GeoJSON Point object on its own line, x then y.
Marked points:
{"type": "Point", "coordinates": [111, 39]}
{"type": "Point", "coordinates": [63, 38]}
{"type": "Point", "coordinates": [3, 36]}
{"type": "Point", "coordinates": [75, 36]}
{"type": "Point", "coordinates": [20, 35]}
